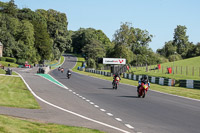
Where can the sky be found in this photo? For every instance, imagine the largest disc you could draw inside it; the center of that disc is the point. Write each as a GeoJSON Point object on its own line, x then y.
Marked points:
{"type": "Point", "coordinates": [158, 17]}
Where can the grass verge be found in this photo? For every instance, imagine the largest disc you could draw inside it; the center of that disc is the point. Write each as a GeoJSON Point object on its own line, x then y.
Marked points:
{"type": "Point", "coordinates": [17, 125]}
{"type": "Point", "coordinates": [61, 61]}
{"type": "Point", "coordinates": [186, 92]}
{"type": "Point", "coordinates": [14, 93]}
{"type": "Point", "coordinates": [4, 63]}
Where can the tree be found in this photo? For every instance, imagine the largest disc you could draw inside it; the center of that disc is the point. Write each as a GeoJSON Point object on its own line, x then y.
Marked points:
{"type": "Point", "coordinates": [57, 29]}
{"type": "Point", "coordinates": [121, 51]}
{"type": "Point", "coordinates": [84, 36]}
{"type": "Point", "coordinates": [94, 50]}
{"type": "Point", "coordinates": [43, 43]}
{"type": "Point", "coordinates": [130, 41]}
{"type": "Point", "coordinates": [181, 40]}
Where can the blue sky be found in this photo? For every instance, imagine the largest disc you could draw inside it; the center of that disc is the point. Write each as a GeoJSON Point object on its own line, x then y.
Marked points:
{"type": "Point", "coordinates": [158, 17]}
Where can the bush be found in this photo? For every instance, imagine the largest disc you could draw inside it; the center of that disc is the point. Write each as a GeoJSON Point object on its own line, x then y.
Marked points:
{"type": "Point", "coordinates": [12, 60]}
{"type": "Point", "coordinates": [2, 59]}
{"type": "Point", "coordinates": [91, 63]}
{"type": "Point", "coordinates": [21, 61]}
{"type": "Point", "coordinates": [174, 57]}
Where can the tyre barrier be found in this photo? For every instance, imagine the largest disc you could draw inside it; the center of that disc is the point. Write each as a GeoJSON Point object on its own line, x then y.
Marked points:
{"type": "Point", "coordinates": [156, 80]}
{"type": "Point", "coordinates": [190, 83]}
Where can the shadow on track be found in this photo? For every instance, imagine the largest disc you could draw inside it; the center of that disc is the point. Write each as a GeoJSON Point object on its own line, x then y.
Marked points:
{"type": "Point", "coordinates": [107, 88]}
{"type": "Point", "coordinates": [129, 96]}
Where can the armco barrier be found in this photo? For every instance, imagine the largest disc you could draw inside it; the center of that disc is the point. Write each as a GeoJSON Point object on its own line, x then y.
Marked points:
{"type": "Point", "coordinates": [157, 80]}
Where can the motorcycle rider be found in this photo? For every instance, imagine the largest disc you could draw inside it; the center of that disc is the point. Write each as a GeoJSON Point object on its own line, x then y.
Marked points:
{"type": "Point", "coordinates": [68, 73]}
{"type": "Point", "coordinates": [144, 79]}
{"type": "Point", "coordinates": [116, 77]}
{"type": "Point", "coordinates": [62, 70]}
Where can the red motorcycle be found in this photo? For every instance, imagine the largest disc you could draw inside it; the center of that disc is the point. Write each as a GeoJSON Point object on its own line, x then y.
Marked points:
{"type": "Point", "coordinates": [143, 90]}
{"type": "Point", "coordinates": [116, 83]}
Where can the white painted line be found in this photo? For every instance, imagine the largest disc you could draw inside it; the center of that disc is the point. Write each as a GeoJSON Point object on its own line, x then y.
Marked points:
{"type": "Point", "coordinates": [70, 90]}
{"type": "Point", "coordinates": [91, 103]}
{"type": "Point", "coordinates": [87, 100]}
{"type": "Point", "coordinates": [77, 94]}
{"type": "Point", "coordinates": [68, 111]}
{"type": "Point", "coordinates": [118, 119]}
{"type": "Point", "coordinates": [74, 92]}
{"type": "Point", "coordinates": [103, 110]}
{"type": "Point", "coordinates": [83, 98]}
{"type": "Point", "coordinates": [96, 106]}
{"type": "Point", "coordinates": [129, 126]}
{"type": "Point", "coordinates": [109, 114]}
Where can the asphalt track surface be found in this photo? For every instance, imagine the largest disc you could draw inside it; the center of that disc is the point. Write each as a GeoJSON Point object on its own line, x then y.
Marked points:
{"type": "Point", "coordinates": [156, 113]}
{"type": "Point", "coordinates": [117, 110]}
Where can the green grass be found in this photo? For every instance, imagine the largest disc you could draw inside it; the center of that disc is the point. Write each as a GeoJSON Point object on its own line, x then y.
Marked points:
{"type": "Point", "coordinates": [2, 71]}
{"type": "Point", "coordinates": [61, 61]}
{"type": "Point", "coordinates": [4, 63]}
{"type": "Point", "coordinates": [17, 125]}
{"type": "Point", "coordinates": [180, 91]}
{"type": "Point", "coordinates": [14, 93]}
{"type": "Point", "coordinates": [183, 69]}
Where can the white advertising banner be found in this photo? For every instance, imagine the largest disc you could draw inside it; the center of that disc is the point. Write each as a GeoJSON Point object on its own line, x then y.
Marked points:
{"type": "Point", "coordinates": [114, 61]}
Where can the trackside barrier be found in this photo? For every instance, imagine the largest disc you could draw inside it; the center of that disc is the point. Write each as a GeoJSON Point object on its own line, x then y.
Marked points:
{"type": "Point", "coordinates": [190, 83]}
{"type": "Point", "coordinates": [157, 80]}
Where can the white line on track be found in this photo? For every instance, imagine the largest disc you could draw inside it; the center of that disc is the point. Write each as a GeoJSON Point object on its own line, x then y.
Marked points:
{"type": "Point", "coordinates": [65, 110]}
{"type": "Point", "coordinates": [96, 106]}
{"type": "Point", "coordinates": [109, 114]}
{"type": "Point", "coordinates": [129, 126]}
{"type": "Point", "coordinates": [103, 110]}
{"type": "Point", "coordinates": [118, 119]}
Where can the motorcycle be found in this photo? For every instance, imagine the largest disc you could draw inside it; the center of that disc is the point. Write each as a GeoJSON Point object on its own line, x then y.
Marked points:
{"type": "Point", "coordinates": [143, 90]}
{"type": "Point", "coordinates": [62, 70]}
{"type": "Point", "coordinates": [59, 69]}
{"type": "Point", "coordinates": [116, 83]}
{"type": "Point", "coordinates": [69, 75]}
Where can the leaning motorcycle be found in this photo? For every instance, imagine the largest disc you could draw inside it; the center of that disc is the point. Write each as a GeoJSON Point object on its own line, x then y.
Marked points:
{"type": "Point", "coordinates": [143, 90]}
{"type": "Point", "coordinates": [69, 75]}
{"type": "Point", "coordinates": [116, 83]}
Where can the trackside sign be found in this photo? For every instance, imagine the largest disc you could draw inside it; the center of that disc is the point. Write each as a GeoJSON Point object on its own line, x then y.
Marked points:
{"type": "Point", "coordinates": [114, 61]}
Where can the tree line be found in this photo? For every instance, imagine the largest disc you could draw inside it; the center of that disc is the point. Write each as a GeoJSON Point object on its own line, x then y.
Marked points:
{"type": "Point", "coordinates": [41, 35]}
{"type": "Point", "coordinates": [32, 36]}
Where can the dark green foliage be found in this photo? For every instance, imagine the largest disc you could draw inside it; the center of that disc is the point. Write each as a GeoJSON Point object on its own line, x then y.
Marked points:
{"type": "Point", "coordinates": [33, 36]}
{"type": "Point", "coordinates": [2, 59]}
{"type": "Point", "coordinates": [21, 61]}
{"type": "Point", "coordinates": [132, 43]}
{"type": "Point", "coordinates": [84, 36]}
{"type": "Point", "coordinates": [9, 59]}
{"type": "Point", "coordinates": [180, 47]}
